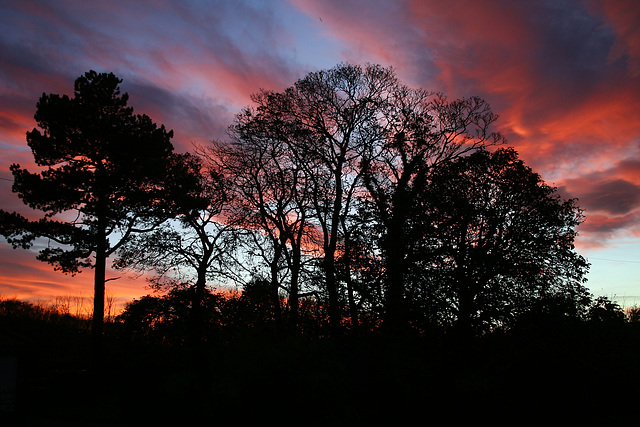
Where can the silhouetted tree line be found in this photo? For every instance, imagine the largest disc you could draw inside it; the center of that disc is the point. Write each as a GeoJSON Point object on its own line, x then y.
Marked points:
{"type": "Point", "coordinates": [549, 368]}
{"type": "Point", "coordinates": [346, 202]}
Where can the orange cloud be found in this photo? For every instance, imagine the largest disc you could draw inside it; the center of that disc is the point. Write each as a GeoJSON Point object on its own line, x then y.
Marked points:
{"type": "Point", "coordinates": [25, 278]}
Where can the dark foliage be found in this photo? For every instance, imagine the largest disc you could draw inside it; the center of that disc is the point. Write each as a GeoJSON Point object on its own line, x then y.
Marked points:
{"type": "Point", "coordinates": [491, 241]}
{"type": "Point", "coordinates": [103, 174]}
{"type": "Point", "coordinates": [545, 372]}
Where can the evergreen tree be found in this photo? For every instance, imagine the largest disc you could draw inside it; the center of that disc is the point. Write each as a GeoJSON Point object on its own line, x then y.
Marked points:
{"type": "Point", "coordinates": [103, 178]}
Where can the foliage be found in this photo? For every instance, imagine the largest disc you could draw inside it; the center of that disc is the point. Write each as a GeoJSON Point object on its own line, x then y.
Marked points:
{"type": "Point", "coordinates": [165, 319]}
{"type": "Point", "coordinates": [491, 242]}
{"type": "Point", "coordinates": [602, 309]}
{"type": "Point", "coordinates": [12, 309]}
{"type": "Point", "coordinates": [41, 328]}
{"type": "Point", "coordinates": [104, 172]}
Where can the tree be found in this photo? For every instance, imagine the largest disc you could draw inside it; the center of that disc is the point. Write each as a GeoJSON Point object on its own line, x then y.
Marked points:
{"type": "Point", "coordinates": [493, 241]}
{"type": "Point", "coordinates": [272, 206]}
{"type": "Point", "coordinates": [602, 309]}
{"type": "Point", "coordinates": [360, 266]}
{"type": "Point", "coordinates": [363, 139]}
{"type": "Point", "coordinates": [103, 178]}
{"type": "Point", "coordinates": [166, 318]}
{"type": "Point", "coordinates": [325, 121]}
{"type": "Point", "coordinates": [423, 130]}
{"type": "Point", "coordinates": [191, 249]}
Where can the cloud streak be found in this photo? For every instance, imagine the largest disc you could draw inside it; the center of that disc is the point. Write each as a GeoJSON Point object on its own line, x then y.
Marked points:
{"type": "Point", "coordinates": [564, 76]}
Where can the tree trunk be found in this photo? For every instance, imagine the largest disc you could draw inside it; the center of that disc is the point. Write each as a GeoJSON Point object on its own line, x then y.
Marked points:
{"type": "Point", "coordinates": [294, 293]}
{"type": "Point", "coordinates": [353, 308]}
{"type": "Point", "coordinates": [97, 325]}
{"type": "Point", "coordinates": [331, 241]}
{"type": "Point", "coordinates": [197, 323]}
{"type": "Point", "coordinates": [465, 311]}
{"type": "Point", "coordinates": [332, 290]}
{"type": "Point", "coordinates": [396, 320]}
{"type": "Point", "coordinates": [275, 287]}
{"type": "Point", "coordinates": [465, 292]}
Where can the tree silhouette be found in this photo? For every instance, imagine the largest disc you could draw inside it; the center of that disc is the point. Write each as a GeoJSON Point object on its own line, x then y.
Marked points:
{"type": "Point", "coordinates": [272, 204]}
{"type": "Point", "coordinates": [602, 309]}
{"type": "Point", "coordinates": [422, 131]}
{"type": "Point", "coordinates": [326, 121]}
{"type": "Point", "coordinates": [492, 241]}
{"type": "Point", "coordinates": [192, 248]}
{"type": "Point", "coordinates": [167, 318]}
{"type": "Point", "coordinates": [103, 178]}
{"type": "Point", "coordinates": [360, 138]}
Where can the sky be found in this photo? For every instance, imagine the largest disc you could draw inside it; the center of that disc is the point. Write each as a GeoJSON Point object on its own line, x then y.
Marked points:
{"type": "Point", "coordinates": [563, 75]}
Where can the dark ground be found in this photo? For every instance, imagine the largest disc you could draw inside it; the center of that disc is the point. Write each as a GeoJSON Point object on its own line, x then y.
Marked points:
{"type": "Point", "coordinates": [588, 373]}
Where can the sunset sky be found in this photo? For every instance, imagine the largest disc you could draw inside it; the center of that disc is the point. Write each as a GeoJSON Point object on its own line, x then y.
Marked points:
{"type": "Point", "coordinates": [564, 76]}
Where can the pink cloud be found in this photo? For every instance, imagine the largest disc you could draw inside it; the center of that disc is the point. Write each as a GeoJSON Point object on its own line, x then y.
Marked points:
{"type": "Point", "coordinates": [543, 67]}
{"type": "Point", "coordinates": [552, 71]}
{"type": "Point", "coordinates": [610, 198]}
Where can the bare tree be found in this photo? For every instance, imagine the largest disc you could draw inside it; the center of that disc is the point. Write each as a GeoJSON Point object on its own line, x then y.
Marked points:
{"type": "Point", "coordinates": [192, 248]}
{"type": "Point", "coordinates": [272, 206]}
{"type": "Point", "coordinates": [325, 123]}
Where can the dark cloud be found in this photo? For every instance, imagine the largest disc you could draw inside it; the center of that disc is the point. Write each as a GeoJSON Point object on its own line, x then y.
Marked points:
{"type": "Point", "coordinates": [601, 228]}
{"type": "Point", "coordinates": [614, 196]}
{"type": "Point", "coordinates": [193, 119]}
{"type": "Point", "coordinates": [623, 17]}
{"type": "Point", "coordinates": [610, 198]}
{"type": "Point", "coordinates": [614, 191]}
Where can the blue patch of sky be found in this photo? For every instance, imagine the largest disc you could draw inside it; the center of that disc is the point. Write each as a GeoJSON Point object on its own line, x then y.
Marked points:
{"type": "Point", "coordinates": [615, 271]}
{"type": "Point", "coordinates": [312, 45]}
{"type": "Point", "coordinates": [13, 147]}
